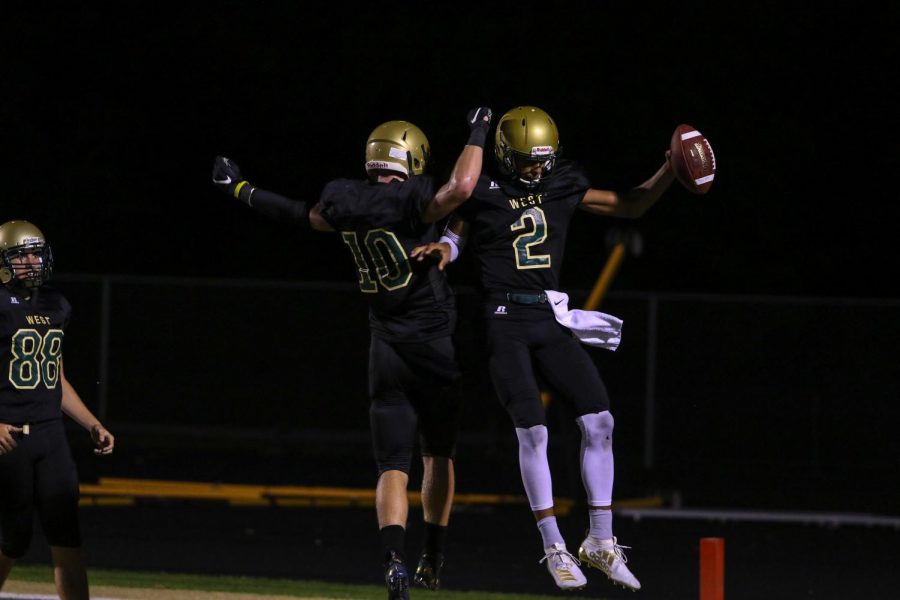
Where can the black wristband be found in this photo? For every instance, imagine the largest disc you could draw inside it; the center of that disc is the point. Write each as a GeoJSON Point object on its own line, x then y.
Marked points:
{"type": "Point", "coordinates": [244, 192]}
{"type": "Point", "coordinates": [478, 136]}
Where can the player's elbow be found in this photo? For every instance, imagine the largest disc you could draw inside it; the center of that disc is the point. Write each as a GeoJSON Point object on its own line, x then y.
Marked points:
{"type": "Point", "coordinates": [467, 186]}
{"type": "Point", "coordinates": [461, 188]}
{"type": "Point", "coordinates": [317, 221]}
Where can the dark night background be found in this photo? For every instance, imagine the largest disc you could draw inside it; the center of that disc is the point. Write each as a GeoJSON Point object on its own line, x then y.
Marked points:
{"type": "Point", "coordinates": [112, 117]}
{"type": "Point", "coordinates": [774, 359]}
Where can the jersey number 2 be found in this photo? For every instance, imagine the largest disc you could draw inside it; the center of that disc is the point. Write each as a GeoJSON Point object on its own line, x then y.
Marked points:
{"type": "Point", "coordinates": [534, 235]}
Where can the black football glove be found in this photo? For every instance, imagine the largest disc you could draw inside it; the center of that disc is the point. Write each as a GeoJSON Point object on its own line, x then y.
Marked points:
{"type": "Point", "coordinates": [226, 176]}
{"type": "Point", "coordinates": [479, 120]}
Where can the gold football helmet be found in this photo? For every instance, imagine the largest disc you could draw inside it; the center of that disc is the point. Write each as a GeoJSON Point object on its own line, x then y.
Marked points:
{"type": "Point", "coordinates": [399, 147]}
{"type": "Point", "coordinates": [526, 135]}
{"type": "Point", "coordinates": [23, 241]}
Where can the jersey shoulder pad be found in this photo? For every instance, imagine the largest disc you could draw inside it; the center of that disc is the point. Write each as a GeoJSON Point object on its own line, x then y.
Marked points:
{"type": "Point", "coordinates": [347, 204]}
{"type": "Point", "coordinates": [340, 200]}
{"type": "Point", "coordinates": [400, 203]}
{"type": "Point", "coordinates": [569, 176]}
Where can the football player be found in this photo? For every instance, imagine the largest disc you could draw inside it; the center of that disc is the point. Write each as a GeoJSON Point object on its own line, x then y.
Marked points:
{"type": "Point", "coordinates": [517, 219]}
{"type": "Point", "coordinates": [37, 473]}
{"type": "Point", "coordinates": [413, 372]}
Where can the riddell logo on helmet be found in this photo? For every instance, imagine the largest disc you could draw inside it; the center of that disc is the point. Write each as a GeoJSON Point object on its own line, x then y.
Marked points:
{"type": "Point", "coordinates": [541, 150]}
{"type": "Point", "coordinates": [380, 165]}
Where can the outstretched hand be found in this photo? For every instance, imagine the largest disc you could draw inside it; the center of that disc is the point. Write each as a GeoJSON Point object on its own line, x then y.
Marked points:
{"type": "Point", "coordinates": [479, 120]}
{"type": "Point", "coordinates": [439, 251]}
{"type": "Point", "coordinates": [226, 175]}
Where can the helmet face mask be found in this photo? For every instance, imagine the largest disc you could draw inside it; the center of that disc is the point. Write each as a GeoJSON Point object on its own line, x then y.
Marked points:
{"type": "Point", "coordinates": [397, 148]}
{"type": "Point", "coordinates": [526, 138]}
{"type": "Point", "coordinates": [26, 260]}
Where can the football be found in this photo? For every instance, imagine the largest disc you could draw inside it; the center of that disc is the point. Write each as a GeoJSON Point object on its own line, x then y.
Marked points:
{"type": "Point", "coordinates": [692, 159]}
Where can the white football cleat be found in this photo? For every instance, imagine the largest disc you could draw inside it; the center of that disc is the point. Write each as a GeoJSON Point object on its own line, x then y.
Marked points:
{"type": "Point", "coordinates": [607, 556]}
{"type": "Point", "coordinates": [564, 567]}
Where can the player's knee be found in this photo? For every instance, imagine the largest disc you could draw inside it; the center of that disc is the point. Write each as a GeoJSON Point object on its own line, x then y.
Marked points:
{"type": "Point", "coordinates": [392, 464]}
{"type": "Point", "coordinates": [443, 452]}
{"type": "Point", "coordinates": [436, 462]}
{"type": "Point", "coordinates": [533, 439]}
{"type": "Point", "coordinates": [15, 537]}
{"type": "Point", "coordinates": [393, 434]}
{"type": "Point", "coordinates": [439, 443]}
{"type": "Point", "coordinates": [59, 517]}
{"type": "Point", "coordinates": [597, 428]}
{"type": "Point", "coordinates": [15, 544]}
{"type": "Point", "coordinates": [64, 537]}
{"type": "Point", "coordinates": [393, 458]}
{"type": "Point", "coordinates": [526, 411]}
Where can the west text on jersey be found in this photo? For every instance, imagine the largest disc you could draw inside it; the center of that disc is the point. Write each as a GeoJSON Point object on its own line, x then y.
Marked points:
{"type": "Point", "coordinates": [37, 320]}
{"type": "Point", "coordinates": [529, 200]}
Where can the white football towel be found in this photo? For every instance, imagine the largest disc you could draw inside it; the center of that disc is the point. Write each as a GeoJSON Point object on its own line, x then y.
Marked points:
{"type": "Point", "coordinates": [591, 327]}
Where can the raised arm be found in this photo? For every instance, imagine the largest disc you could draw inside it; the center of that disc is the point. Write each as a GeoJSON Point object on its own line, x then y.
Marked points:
{"type": "Point", "coordinates": [466, 171]}
{"type": "Point", "coordinates": [633, 203]}
{"type": "Point", "coordinates": [226, 176]}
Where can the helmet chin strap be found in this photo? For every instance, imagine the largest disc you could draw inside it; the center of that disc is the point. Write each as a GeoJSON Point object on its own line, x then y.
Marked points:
{"type": "Point", "coordinates": [530, 183]}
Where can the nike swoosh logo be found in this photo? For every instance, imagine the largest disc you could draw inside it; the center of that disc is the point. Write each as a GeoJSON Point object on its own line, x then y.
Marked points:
{"type": "Point", "coordinates": [225, 181]}
{"type": "Point", "coordinates": [558, 301]}
{"type": "Point", "coordinates": [478, 115]}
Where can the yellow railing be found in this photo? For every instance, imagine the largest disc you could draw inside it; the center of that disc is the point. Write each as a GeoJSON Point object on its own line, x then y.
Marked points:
{"type": "Point", "coordinates": [117, 491]}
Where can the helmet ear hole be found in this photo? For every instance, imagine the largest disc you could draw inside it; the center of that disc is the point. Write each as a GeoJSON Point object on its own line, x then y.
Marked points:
{"type": "Point", "coordinates": [5, 275]}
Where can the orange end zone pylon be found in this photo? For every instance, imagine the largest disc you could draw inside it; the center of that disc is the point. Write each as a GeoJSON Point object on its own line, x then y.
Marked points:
{"type": "Point", "coordinates": [712, 568]}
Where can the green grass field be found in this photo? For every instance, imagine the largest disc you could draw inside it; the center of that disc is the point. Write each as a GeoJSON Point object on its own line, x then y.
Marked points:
{"type": "Point", "coordinates": [247, 585]}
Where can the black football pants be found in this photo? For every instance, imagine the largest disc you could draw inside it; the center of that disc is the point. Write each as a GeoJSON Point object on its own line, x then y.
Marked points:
{"type": "Point", "coordinates": [40, 476]}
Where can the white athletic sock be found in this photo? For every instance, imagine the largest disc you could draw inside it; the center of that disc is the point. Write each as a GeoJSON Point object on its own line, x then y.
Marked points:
{"type": "Point", "coordinates": [534, 466]}
{"type": "Point", "coordinates": [550, 532]}
{"type": "Point", "coordinates": [601, 524]}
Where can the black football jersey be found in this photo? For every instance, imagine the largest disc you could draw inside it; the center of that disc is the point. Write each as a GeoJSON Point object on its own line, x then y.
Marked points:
{"type": "Point", "coordinates": [380, 224]}
{"type": "Point", "coordinates": [31, 345]}
{"type": "Point", "coordinates": [520, 235]}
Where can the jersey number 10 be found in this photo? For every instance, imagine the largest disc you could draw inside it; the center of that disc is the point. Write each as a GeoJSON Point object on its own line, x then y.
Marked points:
{"type": "Point", "coordinates": [392, 268]}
